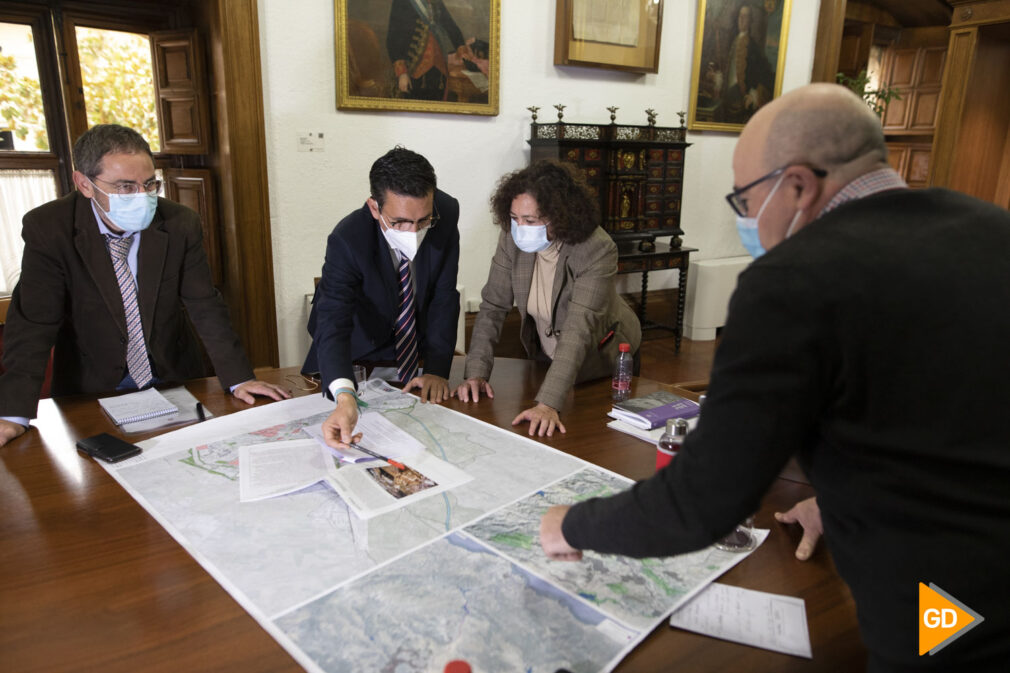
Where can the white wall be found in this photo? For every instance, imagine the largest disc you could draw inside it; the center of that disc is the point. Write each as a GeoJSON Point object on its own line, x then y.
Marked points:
{"type": "Point", "coordinates": [310, 192]}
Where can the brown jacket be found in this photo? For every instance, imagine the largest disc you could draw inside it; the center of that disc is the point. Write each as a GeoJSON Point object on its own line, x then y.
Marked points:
{"type": "Point", "coordinates": [68, 297]}
{"type": "Point", "coordinates": [585, 302]}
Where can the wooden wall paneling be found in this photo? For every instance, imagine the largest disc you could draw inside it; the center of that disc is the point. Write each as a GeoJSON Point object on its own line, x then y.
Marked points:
{"type": "Point", "coordinates": [902, 70]}
{"type": "Point", "coordinates": [924, 36]}
{"type": "Point", "coordinates": [978, 12]}
{"type": "Point", "coordinates": [917, 12]}
{"type": "Point", "coordinates": [830, 24]}
{"type": "Point", "coordinates": [931, 66]}
{"type": "Point", "coordinates": [916, 171]}
{"type": "Point", "coordinates": [960, 59]}
{"type": "Point", "coordinates": [232, 27]}
{"type": "Point", "coordinates": [868, 13]}
{"type": "Point", "coordinates": [848, 51]}
{"type": "Point", "coordinates": [922, 111]}
{"type": "Point", "coordinates": [984, 118]}
{"type": "Point", "coordinates": [194, 188]}
{"type": "Point", "coordinates": [180, 89]}
{"type": "Point", "coordinates": [897, 157]}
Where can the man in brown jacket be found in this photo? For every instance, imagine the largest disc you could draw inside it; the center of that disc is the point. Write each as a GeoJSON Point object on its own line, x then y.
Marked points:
{"type": "Point", "coordinates": [112, 309]}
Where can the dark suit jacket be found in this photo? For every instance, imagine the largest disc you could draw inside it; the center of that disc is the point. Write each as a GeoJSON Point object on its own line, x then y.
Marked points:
{"type": "Point", "coordinates": [358, 297]}
{"type": "Point", "coordinates": [68, 297]}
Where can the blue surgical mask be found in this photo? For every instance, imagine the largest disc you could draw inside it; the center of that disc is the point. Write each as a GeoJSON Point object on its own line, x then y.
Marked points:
{"type": "Point", "coordinates": [747, 227]}
{"type": "Point", "coordinates": [129, 212]}
{"type": "Point", "coordinates": [530, 237]}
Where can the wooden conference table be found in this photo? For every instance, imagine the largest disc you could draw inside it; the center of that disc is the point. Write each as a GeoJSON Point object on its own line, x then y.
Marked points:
{"type": "Point", "coordinates": [90, 581]}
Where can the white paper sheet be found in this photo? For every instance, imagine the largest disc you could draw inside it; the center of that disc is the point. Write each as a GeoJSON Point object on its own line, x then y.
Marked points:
{"type": "Point", "coordinates": [373, 488]}
{"type": "Point", "coordinates": [755, 618]}
{"type": "Point", "coordinates": [610, 21]}
{"type": "Point", "coordinates": [377, 434]}
{"type": "Point", "coordinates": [278, 468]}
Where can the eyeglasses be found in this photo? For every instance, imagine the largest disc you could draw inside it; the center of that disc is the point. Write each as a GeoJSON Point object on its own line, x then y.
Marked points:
{"type": "Point", "coordinates": [401, 224]}
{"type": "Point", "coordinates": [739, 204]}
{"type": "Point", "coordinates": [152, 186]}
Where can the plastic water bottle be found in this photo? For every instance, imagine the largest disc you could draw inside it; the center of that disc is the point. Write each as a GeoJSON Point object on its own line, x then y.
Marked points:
{"type": "Point", "coordinates": [621, 385]}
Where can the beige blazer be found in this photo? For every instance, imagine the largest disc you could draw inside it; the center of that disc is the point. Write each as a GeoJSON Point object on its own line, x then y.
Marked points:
{"type": "Point", "coordinates": [585, 305]}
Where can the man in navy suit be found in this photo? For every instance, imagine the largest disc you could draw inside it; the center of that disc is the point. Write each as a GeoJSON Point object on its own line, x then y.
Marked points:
{"type": "Point", "coordinates": [404, 241]}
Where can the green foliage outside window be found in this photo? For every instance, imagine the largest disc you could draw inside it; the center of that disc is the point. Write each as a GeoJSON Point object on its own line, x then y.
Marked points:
{"type": "Point", "coordinates": [118, 81]}
{"type": "Point", "coordinates": [21, 105]}
{"type": "Point", "coordinates": [118, 88]}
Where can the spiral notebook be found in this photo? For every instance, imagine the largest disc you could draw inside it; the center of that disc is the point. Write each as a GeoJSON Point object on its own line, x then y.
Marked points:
{"type": "Point", "coordinates": [138, 406]}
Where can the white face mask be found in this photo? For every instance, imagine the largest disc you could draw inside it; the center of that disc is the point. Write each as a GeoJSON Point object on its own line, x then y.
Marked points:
{"type": "Point", "coordinates": [530, 237]}
{"type": "Point", "coordinates": [404, 242]}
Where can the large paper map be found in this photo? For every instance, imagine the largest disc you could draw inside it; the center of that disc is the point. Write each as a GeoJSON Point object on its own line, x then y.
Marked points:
{"type": "Point", "coordinates": [457, 575]}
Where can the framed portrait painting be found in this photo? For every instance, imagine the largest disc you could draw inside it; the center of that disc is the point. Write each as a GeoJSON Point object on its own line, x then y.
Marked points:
{"type": "Point", "coordinates": [739, 57]}
{"type": "Point", "coordinates": [417, 55]}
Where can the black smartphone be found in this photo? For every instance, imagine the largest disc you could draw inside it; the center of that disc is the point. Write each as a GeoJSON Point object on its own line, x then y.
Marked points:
{"type": "Point", "coordinates": [107, 447]}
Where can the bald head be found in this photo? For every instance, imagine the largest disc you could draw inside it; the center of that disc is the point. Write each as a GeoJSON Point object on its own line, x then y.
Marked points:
{"type": "Point", "coordinates": [823, 125]}
{"type": "Point", "coordinates": [818, 127]}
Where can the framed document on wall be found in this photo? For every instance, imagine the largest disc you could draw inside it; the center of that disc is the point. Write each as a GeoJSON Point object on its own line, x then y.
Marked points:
{"type": "Point", "coordinates": [417, 55]}
{"type": "Point", "coordinates": [739, 57]}
{"type": "Point", "coordinates": [618, 34]}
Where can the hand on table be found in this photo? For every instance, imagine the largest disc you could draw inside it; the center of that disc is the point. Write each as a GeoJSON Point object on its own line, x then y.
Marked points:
{"type": "Point", "coordinates": [541, 416]}
{"type": "Point", "coordinates": [338, 427]}
{"type": "Point", "coordinates": [473, 388]}
{"type": "Point", "coordinates": [553, 540]}
{"type": "Point", "coordinates": [248, 390]}
{"type": "Point", "coordinates": [433, 388]}
{"type": "Point", "coordinates": [808, 515]}
{"type": "Point", "coordinates": [9, 431]}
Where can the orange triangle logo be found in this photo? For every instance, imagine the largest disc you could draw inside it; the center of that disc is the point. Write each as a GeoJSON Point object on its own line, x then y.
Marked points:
{"type": "Point", "coordinates": [942, 619]}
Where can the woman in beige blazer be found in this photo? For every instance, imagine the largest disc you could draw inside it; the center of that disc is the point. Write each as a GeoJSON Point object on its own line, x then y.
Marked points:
{"type": "Point", "coordinates": [557, 265]}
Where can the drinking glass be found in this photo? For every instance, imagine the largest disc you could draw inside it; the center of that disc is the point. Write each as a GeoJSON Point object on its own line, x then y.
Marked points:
{"type": "Point", "coordinates": [741, 539]}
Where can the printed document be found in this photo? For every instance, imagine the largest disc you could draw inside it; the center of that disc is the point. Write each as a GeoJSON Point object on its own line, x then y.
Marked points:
{"type": "Point", "coordinates": [755, 618]}
{"type": "Point", "coordinates": [278, 468]}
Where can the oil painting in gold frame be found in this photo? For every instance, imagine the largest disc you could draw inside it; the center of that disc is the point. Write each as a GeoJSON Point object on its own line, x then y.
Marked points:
{"type": "Point", "coordinates": [418, 55]}
{"type": "Point", "coordinates": [739, 58]}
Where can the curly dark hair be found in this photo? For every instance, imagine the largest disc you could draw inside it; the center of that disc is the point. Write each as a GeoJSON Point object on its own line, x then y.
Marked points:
{"type": "Point", "coordinates": [562, 197]}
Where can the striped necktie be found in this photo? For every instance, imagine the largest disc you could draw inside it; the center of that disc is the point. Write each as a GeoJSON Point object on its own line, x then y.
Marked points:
{"type": "Point", "coordinates": [136, 350]}
{"type": "Point", "coordinates": [406, 330]}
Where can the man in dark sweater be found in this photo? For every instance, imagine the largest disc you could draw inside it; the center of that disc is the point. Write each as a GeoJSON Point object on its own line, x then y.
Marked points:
{"type": "Point", "coordinates": [871, 342]}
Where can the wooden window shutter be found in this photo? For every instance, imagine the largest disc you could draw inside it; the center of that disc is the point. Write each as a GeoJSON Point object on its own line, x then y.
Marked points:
{"type": "Point", "coordinates": [194, 188]}
{"type": "Point", "coordinates": [181, 91]}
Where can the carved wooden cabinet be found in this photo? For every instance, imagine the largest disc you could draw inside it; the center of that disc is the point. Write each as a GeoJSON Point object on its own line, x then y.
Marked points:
{"type": "Point", "coordinates": [637, 172]}
{"type": "Point", "coordinates": [915, 72]}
